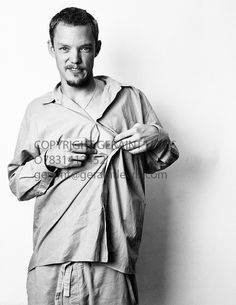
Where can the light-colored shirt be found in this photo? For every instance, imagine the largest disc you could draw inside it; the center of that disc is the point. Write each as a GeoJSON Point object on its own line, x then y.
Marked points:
{"type": "Point", "coordinates": [94, 212]}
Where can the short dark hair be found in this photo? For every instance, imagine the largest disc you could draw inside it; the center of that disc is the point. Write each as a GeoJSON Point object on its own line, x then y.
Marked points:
{"type": "Point", "coordinates": [73, 16]}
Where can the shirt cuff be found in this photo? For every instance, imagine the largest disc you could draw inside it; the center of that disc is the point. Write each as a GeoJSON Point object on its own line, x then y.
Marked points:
{"type": "Point", "coordinates": [163, 139]}
{"type": "Point", "coordinates": [46, 175]}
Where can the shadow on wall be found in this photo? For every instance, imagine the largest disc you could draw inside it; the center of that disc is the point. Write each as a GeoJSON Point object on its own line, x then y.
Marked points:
{"type": "Point", "coordinates": [153, 253]}
{"type": "Point", "coordinates": [158, 232]}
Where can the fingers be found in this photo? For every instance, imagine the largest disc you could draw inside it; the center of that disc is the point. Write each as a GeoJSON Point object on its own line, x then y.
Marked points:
{"type": "Point", "coordinates": [82, 145]}
{"type": "Point", "coordinates": [138, 139]}
{"type": "Point", "coordinates": [77, 157]}
{"type": "Point", "coordinates": [65, 159]}
{"type": "Point", "coordinates": [83, 150]}
{"type": "Point", "coordinates": [73, 163]}
{"type": "Point", "coordinates": [135, 147]}
{"type": "Point", "coordinates": [71, 143]}
{"type": "Point", "coordinates": [79, 145]}
{"type": "Point", "coordinates": [82, 142]}
{"type": "Point", "coordinates": [130, 138]}
{"type": "Point", "coordinates": [138, 150]}
{"type": "Point", "coordinates": [74, 160]}
{"type": "Point", "coordinates": [130, 143]}
{"type": "Point", "coordinates": [124, 134]}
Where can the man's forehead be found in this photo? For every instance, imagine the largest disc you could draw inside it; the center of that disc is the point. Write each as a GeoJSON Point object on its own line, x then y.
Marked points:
{"type": "Point", "coordinates": [67, 32]}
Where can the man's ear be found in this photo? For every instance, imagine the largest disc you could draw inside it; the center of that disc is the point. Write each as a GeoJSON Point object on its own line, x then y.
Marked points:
{"type": "Point", "coordinates": [98, 47]}
{"type": "Point", "coordinates": [51, 48]}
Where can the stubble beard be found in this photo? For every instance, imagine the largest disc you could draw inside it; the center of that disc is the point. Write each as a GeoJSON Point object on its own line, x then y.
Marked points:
{"type": "Point", "coordinates": [81, 82]}
{"type": "Point", "coordinates": [75, 84]}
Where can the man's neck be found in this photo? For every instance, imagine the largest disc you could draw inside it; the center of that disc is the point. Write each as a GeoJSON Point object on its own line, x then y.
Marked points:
{"type": "Point", "coordinates": [81, 93]}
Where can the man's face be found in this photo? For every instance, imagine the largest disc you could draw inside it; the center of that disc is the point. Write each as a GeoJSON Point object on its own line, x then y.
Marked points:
{"type": "Point", "coordinates": [74, 49]}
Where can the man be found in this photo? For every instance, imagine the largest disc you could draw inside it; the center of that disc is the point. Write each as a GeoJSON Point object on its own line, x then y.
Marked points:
{"type": "Point", "coordinates": [82, 151]}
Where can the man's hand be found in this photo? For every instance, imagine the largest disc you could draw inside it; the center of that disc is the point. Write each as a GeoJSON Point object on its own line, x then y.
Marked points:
{"type": "Point", "coordinates": [138, 139]}
{"type": "Point", "coordinates": [69, 153]}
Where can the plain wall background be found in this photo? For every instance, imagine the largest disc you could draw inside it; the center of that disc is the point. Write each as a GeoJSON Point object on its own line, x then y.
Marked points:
{"type": "Point", "coordinates": [182, 55]}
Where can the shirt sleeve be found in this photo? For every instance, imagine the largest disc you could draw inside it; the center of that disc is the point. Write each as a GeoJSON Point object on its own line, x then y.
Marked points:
{"type": "Point", "coordinates": [28, 175]}
{"type": "Point", "coordinates": [165, 151]}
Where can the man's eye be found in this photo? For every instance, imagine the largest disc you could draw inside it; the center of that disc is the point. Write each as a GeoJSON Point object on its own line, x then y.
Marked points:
{"type": "Point", "coordinates": [86, 49]}
{"type": "Point", "coordinates": [64, 49]}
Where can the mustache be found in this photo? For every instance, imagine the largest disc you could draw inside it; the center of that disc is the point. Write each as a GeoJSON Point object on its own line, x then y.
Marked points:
{"type": "Point", "coordinates": [74, 67]}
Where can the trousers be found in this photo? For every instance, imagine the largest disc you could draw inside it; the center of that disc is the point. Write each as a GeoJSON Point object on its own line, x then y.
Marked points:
{"type": "Point", "coordinates": [80, 283]}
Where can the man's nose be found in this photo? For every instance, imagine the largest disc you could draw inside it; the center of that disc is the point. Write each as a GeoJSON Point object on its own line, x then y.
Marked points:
{"type": "Point", "coordinates": [75, 56]}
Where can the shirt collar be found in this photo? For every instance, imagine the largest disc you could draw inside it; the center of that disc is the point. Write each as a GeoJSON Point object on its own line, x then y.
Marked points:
{"type": "Point", "coordinates": [112, 87]}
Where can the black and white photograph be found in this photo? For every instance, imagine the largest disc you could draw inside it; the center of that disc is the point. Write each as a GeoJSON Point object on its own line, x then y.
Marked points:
{"type": "Point", "coordinates": [118, 153]}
